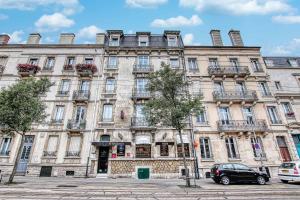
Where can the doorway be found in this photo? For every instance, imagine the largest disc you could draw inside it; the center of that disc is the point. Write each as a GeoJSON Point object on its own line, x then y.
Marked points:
{"type": "Point", "coordinates": [26, 149]}
{"type": "Point", "coordinates": [103, 160]}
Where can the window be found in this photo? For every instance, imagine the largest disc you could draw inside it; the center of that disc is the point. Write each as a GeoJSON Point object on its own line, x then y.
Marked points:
{"type": "Point", "coordinates": [143, 41]}
{"type": "Point", "coordinates": [80, 115]}
{"type": "Point", "coordinates": [269, 63]}
{"type": "Point", "coordinates": [5, 146]}
{"type": "Point", "coordinates": [107, 115]}
{"type": "Point", "coordinates": [110, 85]}
{"type": "Point", "coordinates": [51, 146]}
{"type": "Point", "coordinates": [201, 117]}
{"type": "Point", "coordinates": [74, 146]}
{"type": "Point", "coordinates": [114, 41]}
{"type": "Point", "coordinates": [186, 150]}
{"type": "Point", "coordinates": [33, 61]}
{"type": "Point", "coordinates": [218, 85]}
{"type": "Point", "coordinates": [141, 85]}
{"type": "Point", "coordinates": [278, 85]}
{"type": "Point", "coordinates": [174, 62]}
{"type": "Point", "coordinates": [257, 147]}
{"type": "Point", "coordinates": [121, 149]}
{"type": "Point", "coordinates": [284, 151]}
{"type": "Point", "coordinates": [264, 89]}
{"type": "Point", "coordinates": [172, 41]}
{"type": "Point", "coordinates": [164, 149]}
{"type": "Point", "coordinates": [288, 111]}
{"type": "Point", "coordinates": [143, 151]}
{"type": "Point", "coordinates": [241, 87]}
{"type": "Point", "coordinates": [143, 61]}
{"type": "Point", "coordinates": [224, 115]}
{"type": "Point", "coordinates": [59, 114]}
{"type": "Point", "coordinates": [49, 63]}
{"type": "Point", "coordinates": [84, 86]}
{"type": "Point", "coordinates": [231, 148]}
{"type": "Point", "coordinates": [273, 115]}
{"type": "Point", "coordinates": [3, 61]}
{"type": "Point", "coordinates": [112, 62]}
{"type": "Point", "coordinates": [255, 65]}
{"type": "Point", "coordinates": [192, 62]}
{"type": "Point", "coordinates": [205, 148]}
{"type": "Point", "coordinates": [88, 61]}
{"type": "Point", "coordinates": [70, 60]}
{"type": "Point", "coordinates": [293, 62]}
{"type": "Point", "coordinates": [64, 87]}
{"type": "Point", "coordinates": [248, 115]}
{"type": "Point", "coordinates": [213, 62]}
{"type": "Point", "coordinates": [234, 62]}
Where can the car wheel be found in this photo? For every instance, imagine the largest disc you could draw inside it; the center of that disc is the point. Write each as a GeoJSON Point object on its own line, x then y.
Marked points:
{"type": "Point", "coordinates": [284, 181]}
{"type": "Point", "coordinates": [225, 180]}
{"type": "Point", "coordinates": [261, 180]}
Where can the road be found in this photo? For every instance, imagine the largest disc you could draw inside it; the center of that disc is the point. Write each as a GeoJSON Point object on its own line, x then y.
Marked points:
{"type": "Point", "coordinates": [33, 188]}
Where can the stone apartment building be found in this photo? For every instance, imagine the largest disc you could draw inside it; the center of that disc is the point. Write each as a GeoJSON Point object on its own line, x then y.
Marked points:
{"type": "Point", "coordinates": [96, 125]}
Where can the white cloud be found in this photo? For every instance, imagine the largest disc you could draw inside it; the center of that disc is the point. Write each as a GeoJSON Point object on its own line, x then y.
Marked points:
{"type": "Point", "coordinates": [89, 32]}
{"type": "Point", "coordinates": [3, 17]}
{"type": "Point", "coordinates": [288, 19]}
{"type": "Point", "coordinates": [188, 39]}
{"type": "Point", "coordinates": [291, 48]}
{"type": "Point", "coordinates": [67, 6]}
{"type": "Point", "coordinates": [53, 22]}
{"type": "Point", "coordinates": [240, 7]}
{"type": "Point", "coordinates": [177, 22]}
{"type": "Point", "coordinates": [145, 3]}
{"type": "Point", "coordinates": [16, 37]}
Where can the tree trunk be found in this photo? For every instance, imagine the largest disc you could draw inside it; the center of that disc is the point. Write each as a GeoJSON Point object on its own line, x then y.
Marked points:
{"type": "Point", "coordinates": [187, 173]}
{"type": "Point", "coordinates": [19, 151]}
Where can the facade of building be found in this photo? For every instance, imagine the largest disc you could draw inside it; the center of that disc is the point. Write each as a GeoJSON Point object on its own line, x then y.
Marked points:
{"type": "Point", "coordinates": [96, 126]}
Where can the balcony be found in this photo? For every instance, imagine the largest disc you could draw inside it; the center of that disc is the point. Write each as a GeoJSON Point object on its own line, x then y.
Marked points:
{"type": "Point", "coordinates": [27, 69]}
{"type": "Point", "coordinates": [49, 153]}
{"type": "Point", "coordinates": [81, 96]}
{"type": "Point", "coordinates": [84, 70]}
{"type": "Point", "coordinates": [228, 71]}
{"type": "Point", "coordinates": [242, 126]}
{"type": "Point", "coordinates": [4, 153]}
{"type": "Point", "coordinates": [76, 126]}
{"type": "Point", "coordinates": [140, 94]}
{"type": "Point", "coordinates": [72, 153]}
{"type": "Point", "coordinates": [68, 68]}
{"type": "Point", "coordinates": [140, 123]}
{"type": "Point", "coordinates": [138, 68]}
{"type": "Point", "coordinates": [235, 96]}
{"type": "Point", "coordinates": [57, 121]}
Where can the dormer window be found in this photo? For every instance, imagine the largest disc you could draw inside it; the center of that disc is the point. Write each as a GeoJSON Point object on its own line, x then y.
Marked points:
{"type": "Point", "coordinates": [143, 41]}
{"type": "Point", "coordinates": [293, 62]}
{"type": "Point", "coordinates": [114, 41]}
{"type": "Point", "coordinates": [172, 41]}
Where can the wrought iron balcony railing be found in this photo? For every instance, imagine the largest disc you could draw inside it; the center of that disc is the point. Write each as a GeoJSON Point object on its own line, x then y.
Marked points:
{"type": "Point", "coordinates": [140, 123]}
{"type": "Point", "coordinates": [138, 68]}
{"type": "Point", "coordinates": [72, 153]}
{"type": "Point", "coordinates": [4, 153]}
{"type": "Point", "coordinates": [141, 94]}
{"type": "Point", "coordinates": [50, 153]}
{"type": "Point", "coordinates": [235, 96]}
{"type": "Point", "coordinates": [74, 125]}
{"type": "Point", "coordinates": [229, 71]}
{"type": "Point", "coordinates": [81, 95]}
{"type": "Point", "coordinates": [242, 126]}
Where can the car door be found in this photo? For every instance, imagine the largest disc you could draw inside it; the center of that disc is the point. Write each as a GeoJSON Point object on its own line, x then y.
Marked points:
{"type": "Point", "coordinates": [245, 174]}
{"type": "Point", "coordinates": [228, 170]}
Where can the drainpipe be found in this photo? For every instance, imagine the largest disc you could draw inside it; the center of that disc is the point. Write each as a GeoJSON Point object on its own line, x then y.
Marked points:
{"type": "Point", "coordinates": [95, 112]}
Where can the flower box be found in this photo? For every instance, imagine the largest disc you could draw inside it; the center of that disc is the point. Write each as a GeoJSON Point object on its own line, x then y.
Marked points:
{"type": "Point", "coordinates": [28, 69]}
{"type": "Point", "coordinates": [68, 67]}
{"type": "Point", "coordinates": [290, 114]}
{"type": "Point", "coordinates": [86, 69]}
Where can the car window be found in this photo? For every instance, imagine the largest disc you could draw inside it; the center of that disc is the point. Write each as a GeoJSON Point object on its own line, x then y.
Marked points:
{"type": "Point", "coordinates": [241, 167]}
{"type": "Point", "coordinates": [227, 166]}
{"type": "Point", "coordinates": [287, 165]}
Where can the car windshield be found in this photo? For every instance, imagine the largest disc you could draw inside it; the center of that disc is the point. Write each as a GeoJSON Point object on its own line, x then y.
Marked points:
{"type": "Point", "coordinates": [287, 165]}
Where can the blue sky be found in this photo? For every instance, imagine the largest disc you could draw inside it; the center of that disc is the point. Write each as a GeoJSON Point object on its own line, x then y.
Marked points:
{"type": "Point", "coordinates": [272, 24]}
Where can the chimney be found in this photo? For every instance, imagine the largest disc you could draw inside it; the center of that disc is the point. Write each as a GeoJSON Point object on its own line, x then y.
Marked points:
{"type": "Point", "coordinates": [100, 38]}
{"type": "Point", "coordinates": [216, 37]}
{"type": "Point", "coordinates": [236, 38]}
{"type": "Point", "coordinates": [4, 38]}
{"type": "Point", "coordinates": [66, 38]}
{"type": "Point", "coordinates": [34, 38]}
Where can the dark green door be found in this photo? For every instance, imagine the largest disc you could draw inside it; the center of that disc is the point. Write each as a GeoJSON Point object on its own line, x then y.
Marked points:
{"type": "Point", "coordinates": [143, 173]}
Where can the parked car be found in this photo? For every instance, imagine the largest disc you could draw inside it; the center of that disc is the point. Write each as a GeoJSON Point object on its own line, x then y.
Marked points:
{"type": "Point", "coordinates": [227, 173]}
{"type": "Point", "coordinates": [289, 171]}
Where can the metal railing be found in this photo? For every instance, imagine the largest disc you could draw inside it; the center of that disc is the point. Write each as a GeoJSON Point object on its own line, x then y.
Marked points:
{"type": "Point", "coordinates": [235, 95]}
{"type": "Point", "coordinates": [49, 153]}
{"type": "Point", "coordinates": [242, 125]}
{"type": "Point", "coordinates": [72, 153]}
{"type": "Point", "coordinates": [138, 68]}
{"type": "Point", "coordinates": [63, 93]}
{"type": "Point", "coordinates": [4, 153]}
{"type": "Point", "coordinates": [140, 93]}
{"type": "Point", "coordinates": [234, 157]}
{"type": "Point", "coordinates": [81, 95]}
{"type": "Point", "coordinates": [230, 71]}
{"type": "Point", "coordinates": [139, 122]}
{"type": "Point", "coordinates": [57, 121]}
{"type": "Point", "coordinates": [69, 67]}
{"type": "Point", "coordinates": [75, 125]}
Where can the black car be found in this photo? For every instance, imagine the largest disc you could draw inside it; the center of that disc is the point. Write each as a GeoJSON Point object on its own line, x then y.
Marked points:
{"type": "Point", "coordinates": [227, 173]}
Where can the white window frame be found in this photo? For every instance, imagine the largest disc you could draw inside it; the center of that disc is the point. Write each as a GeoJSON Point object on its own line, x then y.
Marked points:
{"type": "Point", "coordinates": [192, 62]}
{"type": "Point", "coordinates": [273, 115]}
{"type": "Point", "coordinates": [112, 62]}
{"type": "Point", "coordinates": [110, 85]}
{"type": "Point", "coordinates": [107, 113]}
{"type": "Point", "coordinates": [231, 147]}
{"type": "Point", "coordinates": [172, 41]}
{"type": "Point", "coordinates": [264, 88]}
{"type": "Point", "coordinates": [59, 113]}
{"type": "Point", "coordinates": [174, 63]}
{"type": "Point", "coordinates": [205, 154]}
{"type": "Point", "coordinates": [5, 146]}
{"type": "Point", "coordinates": [50, 62]}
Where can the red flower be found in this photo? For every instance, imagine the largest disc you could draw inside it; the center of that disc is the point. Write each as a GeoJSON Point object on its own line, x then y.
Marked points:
{"type": "Point", "coordinates": [86, 67]}
{"type": "Point", "coordinates": [28, 67]}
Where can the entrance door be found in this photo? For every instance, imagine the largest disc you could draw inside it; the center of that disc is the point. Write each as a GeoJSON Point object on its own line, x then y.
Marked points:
{"type": "Point", "coordinates": [297, 143]}
{"type": "Point", "coordinates": [22, 166]}
{"type": "Point", "coordinates": [284, 151]}
{"type": "Point", "coordinates": [103, 159]}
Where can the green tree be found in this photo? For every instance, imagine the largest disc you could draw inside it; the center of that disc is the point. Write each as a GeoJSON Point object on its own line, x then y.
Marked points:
{"type": "Point", "coordinates": [171, 104]}
{"type": "Point", "coordinates": [20, 106]}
